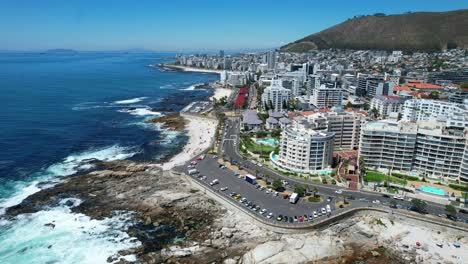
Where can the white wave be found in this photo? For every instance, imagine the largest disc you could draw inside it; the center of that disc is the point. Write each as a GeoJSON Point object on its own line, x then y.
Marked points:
{"type": "Point", "coordinates": [130, 101]}
{"type": "Point", "coordinates": [70, 165]}
{"type": "Point", "coordinates": [59, 236]}
{"type": "Point", "coordinates": [145, 111]}
{"type": "Point", "coordinates": [191, 87]}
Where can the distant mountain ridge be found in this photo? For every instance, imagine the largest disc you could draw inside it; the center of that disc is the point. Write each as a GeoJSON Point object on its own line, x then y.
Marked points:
{"type": "Point", "coordinates": [421, 31]}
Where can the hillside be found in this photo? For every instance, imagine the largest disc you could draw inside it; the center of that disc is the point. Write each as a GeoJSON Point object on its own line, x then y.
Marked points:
{"type": "Point", "coordinates": [422, 31]}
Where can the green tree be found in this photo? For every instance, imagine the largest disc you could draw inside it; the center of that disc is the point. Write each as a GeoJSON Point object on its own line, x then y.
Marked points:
{"type": "Point", "coordinates": [451, 209]}
{"type": "Point", "coordinates": [300, 190]}
{"type": "Point", "coordinates": [419, 205]}
{"type": "Point", "coordinates": [365, 106]}
{"type": "Point", "coordinates": [277, 185]}
{"type": "Point", "coordinates": [349, 105]}
{"type": "Point", "coordinates": [464, 85]}
{"type": "Point", "coordinates": [434, 95]}
{"type": "Point", "coordinates": [315, 191]}
{"type": "Point", "coordinates": [375, 112]}
{"type": "Point", "coordinates": [256, 172]}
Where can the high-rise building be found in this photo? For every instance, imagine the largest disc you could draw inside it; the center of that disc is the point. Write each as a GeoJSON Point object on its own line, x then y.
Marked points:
{"type": "Point", "coordinates": [271, 60]}
{"type": "Point", "coordinates": [313, 82]}
{"type": "Point", "coordinates": [303, 149]}
{"type": "Point", "coordinates": [324, 97]}
{"type": "Point", "coordinates": [379, 87]}
{"type": "Point", "coordinates": [386, 104]}
{"type": "Point", "coordinates": [275, 96]}
{"type": "Point", "coordinates": [221, 53]}
{"type": "Point", "coordinates": [425, 110]}
{"type": "Point", "coordinates": [427, 148]}
{"type": "Point", "coordinates": [388, 145]}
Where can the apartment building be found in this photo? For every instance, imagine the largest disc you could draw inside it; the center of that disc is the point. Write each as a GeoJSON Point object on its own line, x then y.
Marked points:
{"type": "Point", "coordinates": [424, 110]}
{"type": "Point", "coordinates": [431, 149]}
{"type": "Point", "coordinates": [325, 97]}
{"type": "Point", "coordinates": [386, 104]}
{"type": "Point", "coordinates": [275, 95]}
{"type": "Point", "coordinates": [303, 149]}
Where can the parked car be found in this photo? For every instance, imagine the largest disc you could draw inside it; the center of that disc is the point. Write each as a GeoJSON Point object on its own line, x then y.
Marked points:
{"type": "Point", "coordinates": [376, 202]}
{"type": "Point", "coordinates": [385, 195]}
{"type": "Point", "coordinates": [305, 218]}
{"type": "Point", "coordinates": [263, 211]}
{"type": "Point", "coordinates": [311, 217]}
{"type": "Point", "coordinates": [285, 196]}
{"type": "Point", "coordinates": [324, 211]}
{"type": "Point", "coordinates": [315, 214]}
{"type": "Point", "coordinates": [279, 218]}
{"type": "Point", "coordinates": [291, 219]}
{"type": "Point", "coordinates": [339, 191]}
{"type": "Point", "coordinates": [224, 189]}
{"type": "Point", "coordinates": [214, 182]}
{"type": "Point", "coordinates": [295, 218]}
{"type": "Point", "coordinates": [328, 208]}
{"type": "Point", "coordinates": [270, 215]}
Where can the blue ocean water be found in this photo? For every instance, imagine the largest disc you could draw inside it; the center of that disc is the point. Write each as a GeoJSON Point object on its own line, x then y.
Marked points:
{"type": "Point", "coordinates": [61, 109]}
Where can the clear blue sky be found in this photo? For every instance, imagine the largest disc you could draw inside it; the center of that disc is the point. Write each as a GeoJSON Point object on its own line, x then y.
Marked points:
{"type": "Point", "coordinates": [179, 25]}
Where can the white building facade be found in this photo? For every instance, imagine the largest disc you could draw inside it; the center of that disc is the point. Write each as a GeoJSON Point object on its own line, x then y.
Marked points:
{"type": "Point", "coordinates": [275, 96]}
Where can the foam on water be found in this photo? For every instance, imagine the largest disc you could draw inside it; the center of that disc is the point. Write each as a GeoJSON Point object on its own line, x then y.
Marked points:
{"type": "Point", "coordinates": [144, 111]}
{"type": "Point", "coordinates": [130, 101]}
{"type": "Point", "coordinates": [191, 87]}
{"type": "Point", "coordinates": [59, 236]}
{"type": "Point", "coordinates": [70, 165]}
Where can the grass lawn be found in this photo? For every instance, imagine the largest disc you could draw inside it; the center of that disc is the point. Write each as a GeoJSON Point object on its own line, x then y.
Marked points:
{"type": "Point", "coordinates": [374, 176]}
{"type": "Point", "coordinates": [314, 199]}
{"type": "Point", "coordinates": [256, 148]}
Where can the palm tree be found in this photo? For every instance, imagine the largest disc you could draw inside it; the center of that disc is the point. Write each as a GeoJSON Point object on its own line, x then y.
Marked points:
{"type": "Point", "coordinates": [315, 190]}
{"type": "Point", "coordinates": [256, 172]}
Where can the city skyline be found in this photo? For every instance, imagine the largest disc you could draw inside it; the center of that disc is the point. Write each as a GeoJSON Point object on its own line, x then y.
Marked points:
{"type": "Point", "coordinates": [181, 26]}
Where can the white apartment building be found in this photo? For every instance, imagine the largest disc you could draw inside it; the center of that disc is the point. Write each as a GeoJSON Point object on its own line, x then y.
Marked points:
{"type": "Point", "coordinates": [303, 149]}
{"type": "Point", "coordinates": [324, 97]}
{"type": "Point", "coordinates": [275, 95]}
{"type": "Point", "coordinates": [428, 148]}
{"type": "Point", "coordinates": [453, 114]}
{"type": "Point", "coordinates": [386, 104]}
{"type": "Point", "coordinates": [388, 145]}
{"type": "Point", "coordinates": [439, 151]}
{"type": "Point", "coordinates": [345, 125]}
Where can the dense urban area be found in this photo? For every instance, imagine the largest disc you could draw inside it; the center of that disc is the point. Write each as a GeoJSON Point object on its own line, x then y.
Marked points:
{"type": "Point", "coordinates": [340, 128]}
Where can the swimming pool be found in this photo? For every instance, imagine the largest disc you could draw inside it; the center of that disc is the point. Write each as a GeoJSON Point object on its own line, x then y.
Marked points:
{"type": "Point", "coordinates": [267, 141]}
{"type": "Point", "coordinates": [433, 190]}
{"type": "Point", "coordinates": [274, 157]}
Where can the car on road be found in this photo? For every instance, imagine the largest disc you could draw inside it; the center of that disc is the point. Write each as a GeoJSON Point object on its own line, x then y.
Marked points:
{"type": "Point", "coordinates": [270, 215]}
{"type": "Point", "coordinates": [193, 163]}
{"type": "Point", "coordinates": [256, 208]}
{"type": "Point", "coordinates": [263, 211]}
{"type": "Point", "coordinates": [268, 191]}
{"type": "Point", "coordinates": [203, 178]}
{"type": "Point", "coordinates": [339, 191]}
{"type": "Point", "coordinates": [329, 199]}
{"type": "Point", "coordinates": [295, 218]}
{"type": "Point", "coordinates": [214, 182]}
{"type": "Point", "coordinates": [442, 215]}
{"type": "Point", "coordinates": [311, 217]}
{"type": "Point", "coordinates": [385, 195]}
{"type": "Point", "coordinates": [301, 219]}
{"type": "Point", "coordinates": [285, 196]}
{"type": "Point", "coordinates": [397, 197]}
{"type": "Point", "coordinates": [324, 211]}
{"type": "Point", "coordinates": [224, 189]}
{"type": "Point", "coordinates": [243, 200]}
{"type": "Point", "coordinates": [315, 214]}
{"type": "Point", "coordinates": [285, 219]}
{"type": "Point", "coordinates": [328, 208]}
{"type": "Point", "coordinates": [259, 164]}
{"type": "Point", "coordinates": [376, 202]}
{"type": "Point", "coordinates": [279, 218]}
{"type": "Point", "coordinates": [305, 218]}
{"type": "Point", "coordinates": [291, 219]}
{"type": "Point", "coordinates": [262, 188]}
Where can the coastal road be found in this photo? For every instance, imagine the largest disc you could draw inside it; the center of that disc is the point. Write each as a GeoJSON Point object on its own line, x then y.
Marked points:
{"type": "Point", "coordinates": [229, 148]}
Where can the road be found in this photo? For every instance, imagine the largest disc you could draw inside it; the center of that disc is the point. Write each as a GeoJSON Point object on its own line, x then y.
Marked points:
{"type": "Point", "coordinates": [229, 147]}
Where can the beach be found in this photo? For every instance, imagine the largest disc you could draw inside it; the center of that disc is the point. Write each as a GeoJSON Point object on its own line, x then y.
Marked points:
{"type": "Point", "coordinates": [191, 69]}
{"type": "Point", "coordinates": [201, 131]}
{"type": "Point", "coordinates": [220, 93]}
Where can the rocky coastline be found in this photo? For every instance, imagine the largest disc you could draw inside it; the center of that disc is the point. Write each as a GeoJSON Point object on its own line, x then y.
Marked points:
{"type": "Point", "coordinates": [172, 122]}
{"type": "Point", "coordinates": [177, 223]}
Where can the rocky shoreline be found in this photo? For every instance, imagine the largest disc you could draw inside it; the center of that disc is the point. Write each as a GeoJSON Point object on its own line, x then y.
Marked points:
{"type": "Point", "coordinates": [172, 122]}
{"type": "Point", "coordinates": [177, 223]}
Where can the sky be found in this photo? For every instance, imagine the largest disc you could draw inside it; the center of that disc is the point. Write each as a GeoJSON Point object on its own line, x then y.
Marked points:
{"type": "Point", "coordinates": [183, 25]}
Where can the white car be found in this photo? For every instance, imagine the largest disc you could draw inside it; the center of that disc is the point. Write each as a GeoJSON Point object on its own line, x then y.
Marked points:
{"type": "Point", "coordinates": [270, 215]}
{"type": "Point", "coordinates": [324, 211]}
{"type": "Point", "coordinates": [259, 164]}
{"type": "Point", "coordinates": [328, 208]}
{"type": "Point", "coordinates": [315, 214]}
{"type": "Point", "coordinates": [224, 189]}
{"type": "Point", "coordinates": [268, 191]}
{"type": "Point", "coordinates": [214, 182]}
{"type": "Point", "coordinates": [263, 211]}
{"type": "Point", "coordinates": [339, 191]}
{"type": "Point", "coordinates": [376, 202]}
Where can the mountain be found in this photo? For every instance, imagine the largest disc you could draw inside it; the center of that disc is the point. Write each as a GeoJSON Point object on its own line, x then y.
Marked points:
{"type": "Point", "coordinates": [421, 31]}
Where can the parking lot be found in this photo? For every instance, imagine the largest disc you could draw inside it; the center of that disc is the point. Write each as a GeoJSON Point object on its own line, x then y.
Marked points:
{"type": "Point", "coordinates": [255, 198]}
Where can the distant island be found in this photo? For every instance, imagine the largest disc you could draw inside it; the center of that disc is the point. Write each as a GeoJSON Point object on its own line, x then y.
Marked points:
{"type": "Point", "coordinates": [61, 51]}
{"type": "Point", "coordinates": [420, 31]}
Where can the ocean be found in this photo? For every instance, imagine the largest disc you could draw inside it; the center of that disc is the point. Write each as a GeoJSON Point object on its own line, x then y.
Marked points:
{"type": "Point", "coordinates": [61, 109]}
